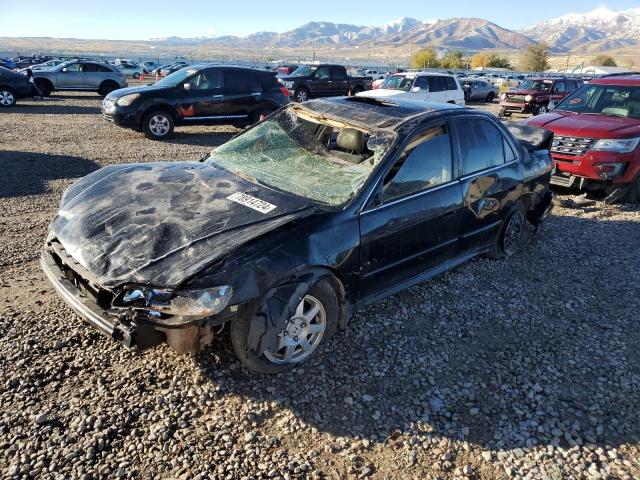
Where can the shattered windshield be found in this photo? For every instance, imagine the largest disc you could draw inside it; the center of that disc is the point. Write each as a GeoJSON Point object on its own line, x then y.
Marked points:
{"type": "Point", "coordinates": [311, 156]}
{"type": "Point", "coordinates": [612, 100]}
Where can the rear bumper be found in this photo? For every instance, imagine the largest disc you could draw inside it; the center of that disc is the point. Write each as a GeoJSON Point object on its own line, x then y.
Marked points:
{"type": "Point", "coordinates": [129, 334]}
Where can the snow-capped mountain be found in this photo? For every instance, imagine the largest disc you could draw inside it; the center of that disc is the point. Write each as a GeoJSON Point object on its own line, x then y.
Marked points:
{"type": "Point", "coordinates": [599, 29]}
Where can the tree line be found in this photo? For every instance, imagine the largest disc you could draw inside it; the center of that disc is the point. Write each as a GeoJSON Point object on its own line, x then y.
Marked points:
{"type": "Point", "coordinates": [534, 59]}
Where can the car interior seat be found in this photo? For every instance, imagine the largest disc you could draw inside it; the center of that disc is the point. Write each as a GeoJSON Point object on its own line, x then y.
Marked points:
{"type": "Point", "coordinates": [352, 146]}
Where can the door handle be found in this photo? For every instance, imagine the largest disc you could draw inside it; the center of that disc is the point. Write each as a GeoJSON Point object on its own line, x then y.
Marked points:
{"type": "Point", "coordinates": [256, 94]}
{"type": "Point", "coordinates": [217, 96]}
{"type": "Point", "coordinates": [448, 213]}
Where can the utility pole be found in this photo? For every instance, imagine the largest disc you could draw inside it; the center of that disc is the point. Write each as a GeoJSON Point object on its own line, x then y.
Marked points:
{"type": "Point", "coordinates": [313, 45]}
{"type": "Point", "coordinates": [566, 70]}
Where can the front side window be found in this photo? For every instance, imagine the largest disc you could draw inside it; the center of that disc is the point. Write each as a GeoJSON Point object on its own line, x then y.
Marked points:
{"type": "Point", "coordinates": [322, 72]}
{"type": "Point", "coordinates": [74, 67]}
{"type": "Point", "coordinates": [338, 73]}
{"type": "Point", "coordinates": [425, 162]}
{"type": "Point", "coordinates": [481, 144]}
{"type": "Point", "coordinates": [398, 82]}
{"type": "Point", "coordinates": [206, 80]}
{"type": "Point", "coordinates": [559, 87]}
{"type": "Point", "coordinates": [422, 83]}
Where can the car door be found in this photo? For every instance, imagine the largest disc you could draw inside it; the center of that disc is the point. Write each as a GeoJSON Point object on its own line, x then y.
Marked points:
{"type": "Point", "coordinates": [202, 98]}
{"type": "Point", "coordinates": [437, 89]}
{"type": "Point", "coordinates": [490, 177]}
{"type": "Point", "coordinates": [242, 92]}
{"type": "Point", "coordinates": [410, 223]}
{"type": "Point", "coordinates": [339, 83]}
{"type": "Point", "coordinates": [94, 75]}
{"type": "Point", "coordinates": [71, 76]}
{"type": "Point", "coordinates": [322, 85]}
{"type": "Point", "coordinates": [420, 88]}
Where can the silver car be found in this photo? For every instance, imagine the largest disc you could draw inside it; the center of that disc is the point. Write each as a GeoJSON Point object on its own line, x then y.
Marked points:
{"type": "Point", "coordinates": [80, 75]}
{"type": "Point", "coordinates": [478, 90]}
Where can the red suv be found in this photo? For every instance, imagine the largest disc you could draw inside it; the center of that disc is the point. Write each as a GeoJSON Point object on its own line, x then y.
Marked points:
{"type": "Point", "coordinates": [533, 95]}
{"type": "Point", "coordinates": [596, 135]}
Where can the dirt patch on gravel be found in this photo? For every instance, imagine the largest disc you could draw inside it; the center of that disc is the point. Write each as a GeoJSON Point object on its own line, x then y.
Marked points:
{"type": "Point", "coordinates": [526, 368]}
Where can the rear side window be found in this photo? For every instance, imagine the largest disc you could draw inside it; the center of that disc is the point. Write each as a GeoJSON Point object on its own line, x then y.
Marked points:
{"type": "Point", "coordinates": [425, 162]}
{"type": "Point", "coordinates": [269, 83]}
{"type": "Point", "coordinates": [481, 144]}
{"type": "Point", "coordinates": [451, 83]}
{"type": "Point", "coordinates": [436, 84]}
{"type": "Point", "coordinates": [240, 81]}
{"type": "Point", "coordinates": [323, 72]}
{"type": "Point", "coordinates": [559, 87]}
{"type": "Point", "coordinates": [337, 72]}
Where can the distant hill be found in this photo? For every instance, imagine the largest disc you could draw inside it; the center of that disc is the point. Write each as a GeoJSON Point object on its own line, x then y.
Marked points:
{"type": "Point", "coordinates": [599, 30]}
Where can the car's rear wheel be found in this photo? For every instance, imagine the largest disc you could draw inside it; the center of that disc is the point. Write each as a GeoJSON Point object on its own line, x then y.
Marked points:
{"type": "Point", "coordinates": [157, 125]}
{"type": "Point", "coordinates": [509, 240]}
{"type": "Point", "coordinates": [490, 97]}
{"type": "Point", "coordinates": [313, 323]}
{"type": "Point", "coordinates": [301, 94]}
{"type": "Point", "coordinates": [107, 87]}
{"type": "Point", "coordinates": [7, 97]}
{"type": "Point", "coordinates": [44, 86]}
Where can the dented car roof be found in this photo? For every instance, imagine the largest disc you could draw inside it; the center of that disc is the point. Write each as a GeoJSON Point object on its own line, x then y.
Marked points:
{"type": "Point", "coordinates": [375, 112]}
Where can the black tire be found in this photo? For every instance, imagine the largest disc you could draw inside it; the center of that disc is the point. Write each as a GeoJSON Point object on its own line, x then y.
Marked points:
{"type": "Point", "coordinates": [158, 124]}
{"type": "Point", "coordinates": [357, 90]}
{"type": "Point", "coordinates": [7, 97]}
{"type": "Point", "coordinates": [540, 109]}
{"type": "Point", "coordinates": [633, 194]}
{"type": "Point", "coordinates": [301, 94]}
{"type": "Point", "coordinates": [490, 97]}
{"type": "Point", "coordinates": [136, 75]}
{"type": "Point", "coordinates": [240, 328]}
{"type": "Point", "coordinates": [504, 113]}
{"type": "Point", "coordinates": [260, 115]}
{"type": "Point", "coordinates": [107, 87]}
{"type": "Point", "coordinates": [508, 242]}
{"type": "Point", "coordinates": [45, 86]}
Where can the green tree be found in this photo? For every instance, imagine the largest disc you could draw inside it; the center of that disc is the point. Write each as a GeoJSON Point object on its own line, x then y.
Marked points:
{"type": "Point", "coordinates": [604, 61]}
{"type": "Point", "coordinates": [425, 58]}
{"type": "Point", "coordinates": [452, 59]}
{"type": "Point", "coordinates": [499, 62]}
{"type": "Point", "coordinates": [535, 58]}
{"type": "Point", "coordinates": [489, 60]}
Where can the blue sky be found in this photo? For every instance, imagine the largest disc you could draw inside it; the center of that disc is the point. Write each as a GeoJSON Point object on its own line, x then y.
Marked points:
{"type": "Point", "coordinates": [143, 19]}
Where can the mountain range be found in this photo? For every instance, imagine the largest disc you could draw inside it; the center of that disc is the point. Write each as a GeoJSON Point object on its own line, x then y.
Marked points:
{"type": "Point", "coordinates": [599, 30]}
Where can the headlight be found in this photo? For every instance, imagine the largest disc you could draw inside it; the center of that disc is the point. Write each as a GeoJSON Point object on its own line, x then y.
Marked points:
{"type": "Point", "coordinates": [616, 145]}
{"type": "Point", "coordinates": [185, 303]}
{"type": "Point", "coordinates": [127, 99]}
{"type": "Point", "coordinates": [528, 98]}
{"type": "Point", "coordinates": [503, 96]}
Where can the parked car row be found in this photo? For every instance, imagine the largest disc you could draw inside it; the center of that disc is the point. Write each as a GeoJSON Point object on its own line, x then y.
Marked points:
{"type": "Point", "coordinates": [535, 94]}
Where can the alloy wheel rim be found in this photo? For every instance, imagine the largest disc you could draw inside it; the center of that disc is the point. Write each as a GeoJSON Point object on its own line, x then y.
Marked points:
{"type": "Point", "coordinates": [159, 125]}
{"type": "Point", "coordinates": [302, 334]}
{"type": "Point", "coordinates": [6, 98]}
{"type": "Point", "coordinates": [513, 233]}
{"type": "Point", "coordinates": [302, 96]}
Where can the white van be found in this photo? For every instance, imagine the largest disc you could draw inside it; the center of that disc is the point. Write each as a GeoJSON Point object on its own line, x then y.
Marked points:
{"type": "Point", "coordinates": [432, 87]}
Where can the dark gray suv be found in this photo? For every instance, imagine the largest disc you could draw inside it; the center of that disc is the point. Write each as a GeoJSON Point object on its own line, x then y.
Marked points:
{"type": "Point", "coordinates": [80, 75]}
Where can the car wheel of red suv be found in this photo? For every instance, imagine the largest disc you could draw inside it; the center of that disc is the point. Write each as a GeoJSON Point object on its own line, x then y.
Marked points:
{"type": "Point", "coordinates": [633, 194]}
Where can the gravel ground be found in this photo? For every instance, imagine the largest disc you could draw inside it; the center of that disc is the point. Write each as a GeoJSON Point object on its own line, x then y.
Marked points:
{"type": "Point", "coordinates": [527, 368]}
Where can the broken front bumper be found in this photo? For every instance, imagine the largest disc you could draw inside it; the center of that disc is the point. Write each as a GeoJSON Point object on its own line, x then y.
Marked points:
{"type": "Point", "coordinates": [129, 334]}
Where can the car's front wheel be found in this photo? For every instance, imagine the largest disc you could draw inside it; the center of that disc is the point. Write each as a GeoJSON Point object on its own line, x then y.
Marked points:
{"type": "Point", "coordinates": [490, 97]}
{"type": "Point", "coordinates": [157, 125]}
{"type": "Point", "coordinates": [44, 86]}
{"type": "Point", "coordinates": [7, 97]}
{"type": "Point", "coordinates": [312, 324]}
{"type": "Point", "coordinates": [540, 109]}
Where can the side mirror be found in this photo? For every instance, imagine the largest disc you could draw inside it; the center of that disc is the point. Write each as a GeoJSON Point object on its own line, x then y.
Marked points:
{"type": "Point", "coordinates": [186, 86]}
{"type": "Point", "coordinates": [65, 69]}
{"type": "Point", "coordinates": [416, 90]}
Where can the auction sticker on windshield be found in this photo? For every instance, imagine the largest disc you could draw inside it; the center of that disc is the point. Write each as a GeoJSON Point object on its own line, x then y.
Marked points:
{"type": "Point", "coordinates": [251, 202]}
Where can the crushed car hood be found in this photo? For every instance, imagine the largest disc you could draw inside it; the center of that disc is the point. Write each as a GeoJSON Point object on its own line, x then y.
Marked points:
{"type": "Point", "coordinates": [587, 125]}
{"type": "Point", "coordinates": [161, 223]}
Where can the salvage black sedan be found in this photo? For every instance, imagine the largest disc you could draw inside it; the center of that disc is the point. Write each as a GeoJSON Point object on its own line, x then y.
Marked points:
{"type": "Point", "coordinates": [281, 232]}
